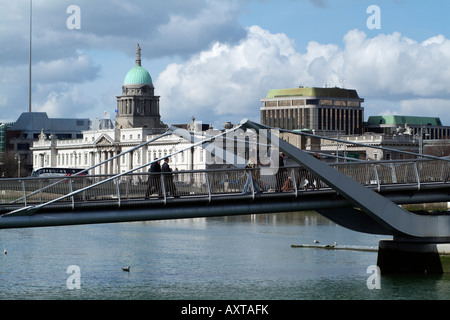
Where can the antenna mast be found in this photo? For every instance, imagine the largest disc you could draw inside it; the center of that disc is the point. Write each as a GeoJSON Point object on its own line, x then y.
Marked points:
{"type": "Point", "coordinates": [29, 62]}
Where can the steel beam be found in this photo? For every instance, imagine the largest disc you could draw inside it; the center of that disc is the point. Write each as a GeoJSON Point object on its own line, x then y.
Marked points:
{"type": "Point", "coordinates": [383, 211]}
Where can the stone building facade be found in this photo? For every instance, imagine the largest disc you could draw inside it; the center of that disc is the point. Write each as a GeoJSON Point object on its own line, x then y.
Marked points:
{"type": "Point", "coordinates": [137, 121]}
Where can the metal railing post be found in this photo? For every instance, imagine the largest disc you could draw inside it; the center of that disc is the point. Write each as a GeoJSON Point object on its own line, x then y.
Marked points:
{"type": "Point", "coordinates": [24, 193]}
{"type": "Point", "coordinates": [249, 176]}
{"type": "Point", "coordinates": [416, 171]}
{"type": "Point", "coordinates": [208, 185]}
{"type": "Point", "coordinates": [71, 191]}
{"type": "Point", "coordinates": [294, 181]}
{"type": "Point", "coordinates": [118, 192]}
{"type": "Point", "coordinates": [163, 187]}
{"type": "Point", "coordinates": [377, 177]}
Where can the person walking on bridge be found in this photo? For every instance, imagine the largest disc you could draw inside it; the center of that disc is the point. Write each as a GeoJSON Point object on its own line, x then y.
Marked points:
{"type": "Point", "coordinates": [168, 178]}
{"type": "Point", "coordinates": [154, 179]}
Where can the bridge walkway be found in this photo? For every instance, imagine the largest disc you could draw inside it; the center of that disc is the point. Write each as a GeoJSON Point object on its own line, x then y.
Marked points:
{"type": "Point", "coordinates": [207, 186]}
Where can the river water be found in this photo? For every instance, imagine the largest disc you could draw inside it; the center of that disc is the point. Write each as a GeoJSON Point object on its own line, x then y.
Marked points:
{"type": "Point", "coordinates": [241, 257]}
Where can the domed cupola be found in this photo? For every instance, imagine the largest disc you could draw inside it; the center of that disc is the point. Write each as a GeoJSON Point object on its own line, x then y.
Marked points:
{"type": "Point", "coordinates": [138, 106]}
{"type": "Point", "coordinates": [138, 74]}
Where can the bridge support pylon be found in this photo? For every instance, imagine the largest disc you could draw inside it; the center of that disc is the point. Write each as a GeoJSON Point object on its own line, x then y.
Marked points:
{"type": "Point", "coordinates": [421, 243]}
{"type": "Point", "coordinates": [413, 257]}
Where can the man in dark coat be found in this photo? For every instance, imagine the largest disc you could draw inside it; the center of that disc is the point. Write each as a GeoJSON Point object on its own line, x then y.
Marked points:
{"type": "Point", "coordinates": [168, 178]}
{"type": "Point", "coordinates": [154, 180]}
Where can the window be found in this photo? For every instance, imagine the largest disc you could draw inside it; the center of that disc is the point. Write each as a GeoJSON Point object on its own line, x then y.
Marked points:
{"type": "Point", "coordinates": [298, 102]}
{"type": "Point", "coordinates": [284, 103]}
{"type": "Point", "coordinates": [312, 101]}
{"type": "Point", "coordinates": [353, 103]}
{"type": "Point", "coordinates": [23, 146]}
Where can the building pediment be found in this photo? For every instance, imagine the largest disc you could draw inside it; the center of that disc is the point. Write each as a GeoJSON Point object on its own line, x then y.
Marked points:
{"type": "Point", "coordinates": [104, 141]}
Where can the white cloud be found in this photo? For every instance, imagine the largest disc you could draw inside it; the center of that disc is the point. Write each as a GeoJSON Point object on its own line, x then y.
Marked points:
{"type": "Point", "coordinates": [225, 69]}
{"type": "Point", "coordinates": [396, 65]}
{"type": "Point", "coordinates": [62, 56]}
{"type": "Point", "coordinates": [73, 69]}
{"type": "Point", "coordinates": [172, 27]}
{"type": "Point", "coordinates": [426, 107]}
{"type": "Point", "coordinates": [226, 82]}
{"type": "Point", "coordinates": [62, 101]}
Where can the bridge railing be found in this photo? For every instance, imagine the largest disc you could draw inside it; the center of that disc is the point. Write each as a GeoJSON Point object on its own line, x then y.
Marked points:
{"type": "Point", "coordinates": [397, 172]}
{"type": "Point", "coordinates": [210, 183]}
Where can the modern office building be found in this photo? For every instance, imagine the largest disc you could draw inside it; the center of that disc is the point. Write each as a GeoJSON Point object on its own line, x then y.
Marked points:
{"type": "Point", "coordinates": [430, 128]}
{"type": "Point", "coordinates": [324, 111]}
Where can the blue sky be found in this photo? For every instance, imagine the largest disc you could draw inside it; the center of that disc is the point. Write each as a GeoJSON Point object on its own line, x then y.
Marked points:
{"type": "Point", "coordinates": [216, 59]}
{"type": "Point", "coordinates": [303, 21]}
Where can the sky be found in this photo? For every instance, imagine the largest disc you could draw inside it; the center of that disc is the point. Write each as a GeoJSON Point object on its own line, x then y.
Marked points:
{"type": "Point", "coordinates": [216, 59]}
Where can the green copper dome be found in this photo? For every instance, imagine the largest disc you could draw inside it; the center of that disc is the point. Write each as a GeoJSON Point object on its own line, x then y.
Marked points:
{"type": "Point", "coordinates": [138, 75]}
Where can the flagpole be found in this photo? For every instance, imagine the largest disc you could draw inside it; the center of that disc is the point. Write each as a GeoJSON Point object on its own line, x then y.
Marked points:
{"type": "Point", "coordinates": [29, 62]}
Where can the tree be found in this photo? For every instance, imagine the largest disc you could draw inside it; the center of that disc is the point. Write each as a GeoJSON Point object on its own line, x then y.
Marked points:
{"type": "Point", "coordinates": [9, 165]}
{"type": "Point", "coordinates": [440, 148]}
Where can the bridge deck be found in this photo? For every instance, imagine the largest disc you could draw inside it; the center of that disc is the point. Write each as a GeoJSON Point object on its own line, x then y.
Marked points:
{"type": "Point", "coordinates": [411, 178]}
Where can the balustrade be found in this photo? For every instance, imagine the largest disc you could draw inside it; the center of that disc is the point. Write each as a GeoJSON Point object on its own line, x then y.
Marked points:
{"type": "Point", "coordinates": [210, 183]}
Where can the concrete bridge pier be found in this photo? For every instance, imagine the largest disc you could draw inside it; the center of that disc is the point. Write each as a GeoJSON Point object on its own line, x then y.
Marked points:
{"type": "Point", "coordinates": [402, 257]}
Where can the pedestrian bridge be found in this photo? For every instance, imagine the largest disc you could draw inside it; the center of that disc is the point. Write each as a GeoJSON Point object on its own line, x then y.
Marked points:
{"type": "Point", "coordinates": [363, 196]}
{"type": "Point", "coordinates": [31, 202]}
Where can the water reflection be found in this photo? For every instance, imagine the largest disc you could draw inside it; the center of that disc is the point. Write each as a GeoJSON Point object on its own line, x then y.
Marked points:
{"type": "Point", "coordinates": [235, 257]}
